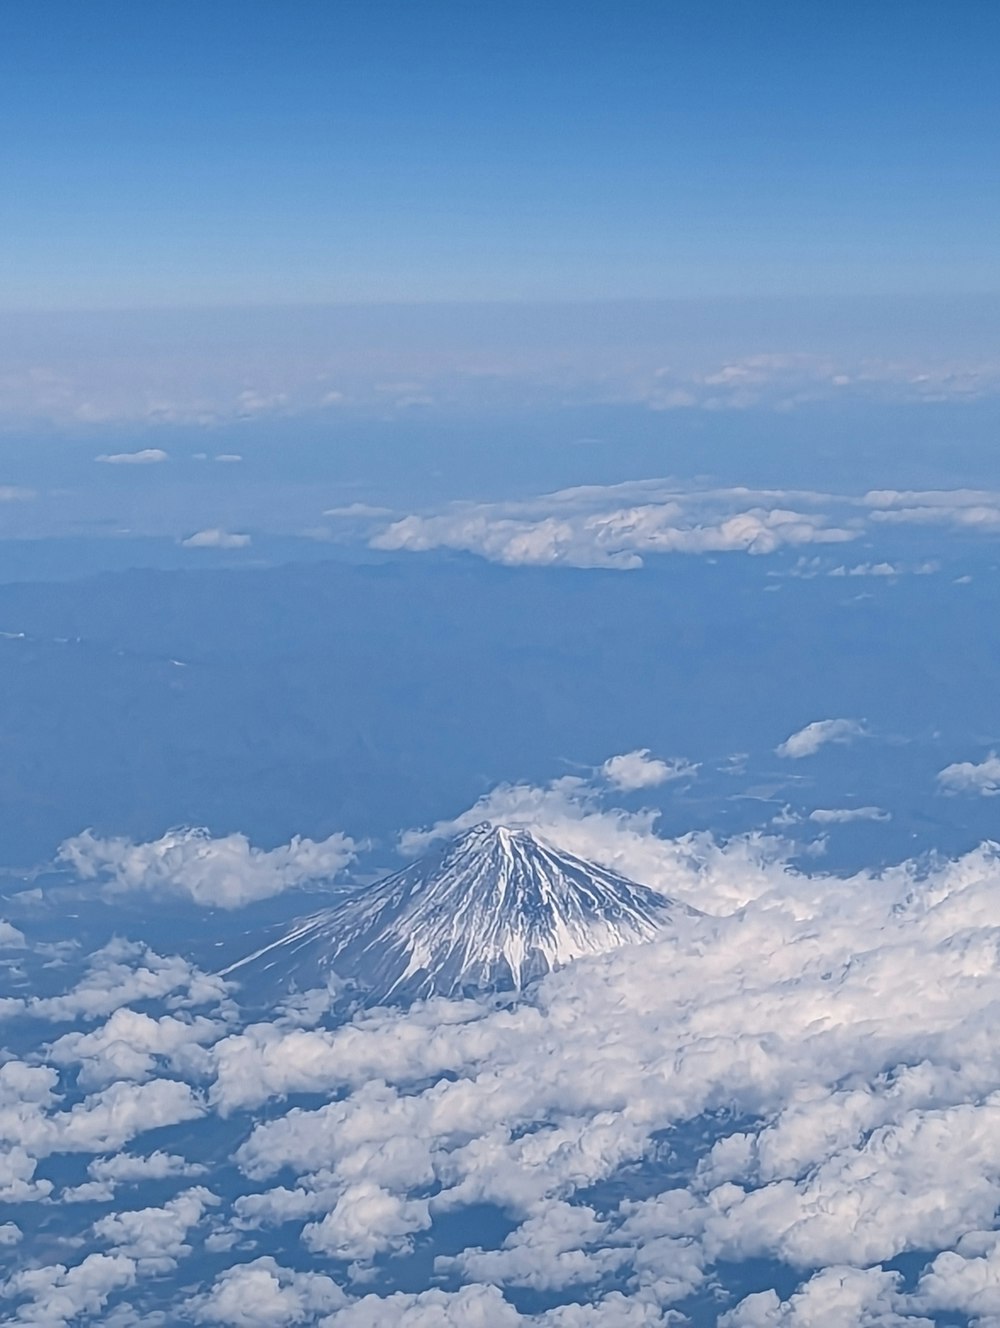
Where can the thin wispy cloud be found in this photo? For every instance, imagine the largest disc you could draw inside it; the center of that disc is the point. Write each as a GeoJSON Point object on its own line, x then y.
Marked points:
{"type": "Point", "coordinates": [146, 456]}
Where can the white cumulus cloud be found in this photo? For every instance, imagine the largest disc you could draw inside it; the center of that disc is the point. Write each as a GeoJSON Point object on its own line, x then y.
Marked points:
{"type": "Point", "coordinates": [224, 872]}
{"type": "Point", "coordinates": [638, 770]}
{"type": "Point", "coordinates": [263, 1294]}
{"type": "Point", "coordinates": [808, 740]}
{"type": "Point", "coordinates": [972, 777]}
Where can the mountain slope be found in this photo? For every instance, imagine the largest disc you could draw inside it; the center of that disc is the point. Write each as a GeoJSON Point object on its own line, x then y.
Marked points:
{"type": "Point", "coordinates": [492, 910]}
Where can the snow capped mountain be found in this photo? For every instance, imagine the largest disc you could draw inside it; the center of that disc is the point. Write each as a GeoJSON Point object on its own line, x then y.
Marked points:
{"type": "Point", "coordinates": [491, 910]}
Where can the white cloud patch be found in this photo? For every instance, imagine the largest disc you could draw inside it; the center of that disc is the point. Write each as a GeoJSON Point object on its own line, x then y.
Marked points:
{"type": "Point", "coordinates": [127, 1169]}
{"type": "Point", "coordinates": [616, 526]}
{"type": "Point", "coordinates": [101, 1122]}
{"type": "Point", "coordinates": [972, 777]}
{"type": "Point", "coordinates": [225, 872]}
{"type": "Point", "coordinates": [54, 1295]}
{"type": "Point", "coordinates": [156, 1238]}
{"type": "Point", "coordinates": [867, 569]}
{"type": "Point", "coordinates": [961, 509]}
{"type": "Point", "coordinates": [214, 538]}
{"type": "Point", "coordinates": [834, 1298]}
{"type": "Point", "coordinates": [639, 770]}
{"type": "Point", "coordinates": [262, 1294]}
{"type": "Point", "coordinates": [875, 1125]}
{"type": "Point", "coordinates": [147, 456]}
{"type": "Point", "coordinates": [558, 1245]}
{"type": "Point", "coordinates": [367, 1220]}
{"type": "Point", "coordinates": [845, 815]}
{"type": "Point", "coordinates": [121, 973]}
{"type": "Point", "coordinates": [471, 1307]}
{"type": "Point", "coordinates": [619, 526]}
{"type": "Point", "coordinates": [10, 937]}
{"type": "Point", "coordinates": [808, 740]}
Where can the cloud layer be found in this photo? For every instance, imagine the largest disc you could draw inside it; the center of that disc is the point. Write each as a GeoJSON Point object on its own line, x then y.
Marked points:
{"type": "Point", "coordinates": [806, 1076]}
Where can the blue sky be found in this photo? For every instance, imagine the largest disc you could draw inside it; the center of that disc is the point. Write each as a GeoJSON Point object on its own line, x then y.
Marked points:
{"type": "Point", "coordinates": [235, 153]}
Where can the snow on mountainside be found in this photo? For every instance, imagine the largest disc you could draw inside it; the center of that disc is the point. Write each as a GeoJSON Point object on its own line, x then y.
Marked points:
{"type": "Point", "coordinates": [490, 911]}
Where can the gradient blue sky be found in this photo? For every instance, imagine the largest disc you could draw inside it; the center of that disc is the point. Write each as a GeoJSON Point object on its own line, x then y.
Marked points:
{"type": "Point", "coordinates": [245, 152]}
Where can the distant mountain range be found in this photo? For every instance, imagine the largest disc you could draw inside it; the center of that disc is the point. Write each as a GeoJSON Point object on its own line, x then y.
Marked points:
{"type": "Point", "coordinates": [490, 911]}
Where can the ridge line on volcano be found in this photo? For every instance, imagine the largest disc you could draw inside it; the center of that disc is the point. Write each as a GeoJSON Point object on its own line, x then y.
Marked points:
{"type": "Point", "coordinates": [492, 910]}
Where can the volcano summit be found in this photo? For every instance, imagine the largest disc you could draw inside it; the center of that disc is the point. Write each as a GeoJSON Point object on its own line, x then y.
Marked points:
{"type": "Point", "coordinates": [490, 911]}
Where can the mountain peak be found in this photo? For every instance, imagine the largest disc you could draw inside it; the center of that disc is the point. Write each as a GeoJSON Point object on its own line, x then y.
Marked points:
{"type": "Point", "coordinates": [491, 910]}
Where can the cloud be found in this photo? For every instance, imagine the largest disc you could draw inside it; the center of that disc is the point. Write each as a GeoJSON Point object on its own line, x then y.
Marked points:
{"type": "Point", "coordinates": [845, 815]}
{"type": "Point", "coordinates": [147, 456]}
{"type": "Point", "coordinates": [558, 1245]}
{"type": "Point", "coordinates": [121, 973]}
{"type": "Point", "coordinates": [98, 1123]}
{"type": "Point", "coordinates": [615, 540]}
{"type": "Point", "coordinates": [967, 518]}
{"type": "Point", "coordinates": [969, 777]}
{"type": "Point", "coordinates": [126, 1169]}
{"type": "Point", "coordinates": [807, 741]}
{"type": "Point", "coordinates": [367, 1220]}
{"type": "Point", "coordinates": [155, 1238]}
{"type": "Point", "coordinates": [962, 509]}
{"type": "Point", "coordinates": [262, 1294]}
{"type": "Point", "coordinates": [214, 538]}
{"type": "Point", "coordinates": [10, 937]}
{"type": "Point", "coordinates": [638, 770]}
{"type": "Point", "coordinates": [471, 1307]}
{"type": "Point", "coordinates": [619, 526]}
{"type": "Point", "coordinates": [834, 1298]}
{"type": "Point", "coordinates": [14, 493]}
{"type": "Point", "coordinates": [134, 1045]}
{"type": "Point", "coordinates": [226, 872]}
{"type": "Point", "coordinates": [616, 526]}
{"type": "Point", "coordinates": [54, 1295]}
{"type": "Point", "coordinates": [872, 1112]}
